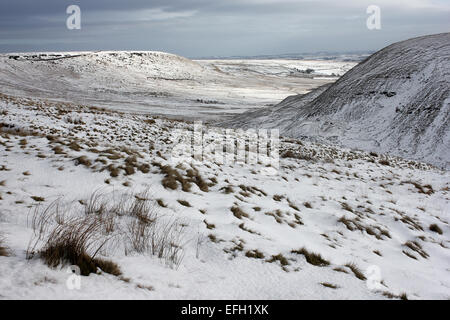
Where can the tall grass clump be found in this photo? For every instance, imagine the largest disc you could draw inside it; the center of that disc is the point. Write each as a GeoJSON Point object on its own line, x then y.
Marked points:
{"type": "Point", "coordinates": [106, 223]}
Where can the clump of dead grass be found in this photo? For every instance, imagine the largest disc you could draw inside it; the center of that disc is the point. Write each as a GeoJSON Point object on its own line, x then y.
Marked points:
{"type": "Point", "coordinates": [238, 212]}
{"type": "Point", "coordinates": [279, 257]}
{"type": "Point", "coordinates": [435, 228]}
{"type": "Point", "coordinates": [255, 254]}
{"type": "Point", "coordinates": [356, 271]}
{"type": "Point", "coordinates": [312, 258]}
{"type": "Point", "coordinates": [108, 221]}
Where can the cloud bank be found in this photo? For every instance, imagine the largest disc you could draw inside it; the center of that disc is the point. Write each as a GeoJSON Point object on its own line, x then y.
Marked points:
{"type": "Point", "coordinates": [197, 28]}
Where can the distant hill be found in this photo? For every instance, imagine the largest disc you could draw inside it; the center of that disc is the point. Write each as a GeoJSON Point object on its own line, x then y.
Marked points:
{"type": "Point", "coordinates": [334, 56]}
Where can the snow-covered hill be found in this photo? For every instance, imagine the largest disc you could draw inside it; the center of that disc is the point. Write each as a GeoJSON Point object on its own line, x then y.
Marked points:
{"type": "Point", "coordinates": [162, 83]}
{"type": "Point", "coordinates": [80, 65]}
{"type": "Point", "coordinates": [396, 101]}
{"type": "Point", "coordinates": [333, 223]}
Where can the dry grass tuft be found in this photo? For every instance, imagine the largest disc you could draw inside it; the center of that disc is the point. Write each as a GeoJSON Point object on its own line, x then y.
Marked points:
{"type": "Point", "coordinates": [329, 285]}
{"type": "Point", "coordinates": [377, 252]}
{"type": "Point", "coordinates": [184, 203]}
{"type": "Point", "coordinates": [227, 189]}
{"type": "Point", "coordinates": [58, 150]}
{"type": "Point", "coordinates": [425, 189]}
{"type": "Point", "coordinates": [293, 206]}
{"type": "Point", "coordinates": [65, 236]}
{"type": "Point", "coordinates": [209, 226]}
{"type": "Point", "coordinates": [74, 146]}
{"type": "Point", "coordinates": [72, 243]}
{"type": "Point", "coordinates": [307, 205]}
{"type": "Point", "coordinates": [161, 203]}
{"type": "Point", "coordinates": [277, 197]}
{"type": "Point", "coordinates": [213, 238]}
{"type": "Point", "coordinates": [255, 254]}
{"type": "Point", "coordinates": [279, 257]}
{"type": "Point", "coordinates": [435, 228]}
{"type": "Point", "coordinates": [312, 258]}
{"type": "Point", "coordinates": [340, 269]}
{"type": "Point", "coordinates": [296, 155]}
{"type": "Point", "coordinates": [145, 287]}
{"type": "Point", "coordinates": [129, 170]}
{"type": "Point", "coordinates": [238, 213]}
{"type": "Point", "coordinates": [113, 170]}
{"type": "Point", "coordinates": [356, 271]}
{"type": "Point", "coordinates": [172, 178]}
{"type": "Point", "coordinates": [402, 296]}
{"type": "Point", "coordinates": [346, 207]}
{"type": "Point", "coordinates": [83, 160]}
{"type": "Point", "coordinates": [415, 246]}
{"type": "Point", "coordinates": [196, 178]}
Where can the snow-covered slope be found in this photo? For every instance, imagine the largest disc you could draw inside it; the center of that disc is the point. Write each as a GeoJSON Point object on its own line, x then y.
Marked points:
{"type": "Point", "coordinates": [79, 65]}
{"type": "Point", "coordinates": [240, 234]}
{"type": "Point", "coordinates": [162, 83]}
{"type": "Point", "coordinates": [396, 101]}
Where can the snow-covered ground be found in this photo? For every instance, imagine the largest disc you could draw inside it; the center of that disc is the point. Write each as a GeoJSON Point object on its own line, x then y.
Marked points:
{"type": "Point", "coordinates": [162, 83]}
{"type": "Point", "coordinates": [240, 232]}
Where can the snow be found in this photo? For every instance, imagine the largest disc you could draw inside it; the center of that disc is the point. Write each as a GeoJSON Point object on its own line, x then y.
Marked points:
{"type": "Point", "coordinates": [396, 101]}
{"type": "Point", "coordinates": [162, 83]}
{"type": "Point", "coordinates": [380, 198]}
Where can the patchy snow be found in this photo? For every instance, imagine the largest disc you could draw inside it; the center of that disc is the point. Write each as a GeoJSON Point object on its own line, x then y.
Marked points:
{"type": "Point", "coordinates": [349, 206]}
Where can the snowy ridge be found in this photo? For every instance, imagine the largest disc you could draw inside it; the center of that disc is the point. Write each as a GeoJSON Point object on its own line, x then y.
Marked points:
{"type": "Point", "coordinates": [149, 63]}
{"type": "Point", "coordinates": [396, 101]}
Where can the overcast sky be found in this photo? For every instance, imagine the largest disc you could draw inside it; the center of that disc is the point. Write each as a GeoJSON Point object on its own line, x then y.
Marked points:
{"type": "Point", "coordinates": [197, 28]}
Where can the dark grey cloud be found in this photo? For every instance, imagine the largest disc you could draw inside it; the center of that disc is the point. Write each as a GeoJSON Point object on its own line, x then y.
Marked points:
{"type": "Point", "coordinates": [216, 27]}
